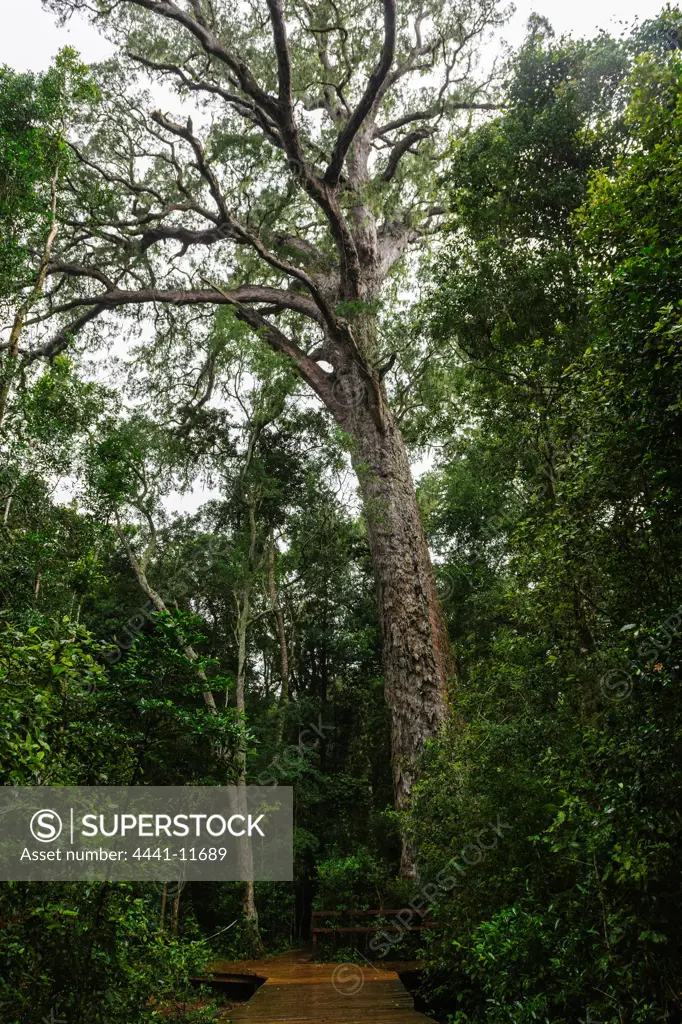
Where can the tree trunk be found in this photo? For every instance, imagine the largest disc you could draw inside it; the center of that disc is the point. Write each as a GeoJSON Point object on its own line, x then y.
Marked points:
{"type": "Point", "coordinates": [9, 364]}
{"type": "Point", "coordinates": [160, 606]}
{"type": "Point", "coordinates": [417, 659]}
{"type": "Point", "coordinates": [164, 898]}
{"type": "Point", "coordinates": [8, 503]}
{"type": "Point", "coordinates": [283, 650]}
{"type": "Point", "coordinates": [243, 603]}
{"type": "Point", "coordinates": [175, 914]}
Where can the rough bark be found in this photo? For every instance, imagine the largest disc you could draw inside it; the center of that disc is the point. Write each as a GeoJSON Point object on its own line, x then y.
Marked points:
{"type": "Point", "coordinates": [416, 652]}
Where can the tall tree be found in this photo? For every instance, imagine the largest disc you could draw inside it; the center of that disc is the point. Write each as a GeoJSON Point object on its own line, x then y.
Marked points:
{"type": "Point", "coordinates": [294, 206]}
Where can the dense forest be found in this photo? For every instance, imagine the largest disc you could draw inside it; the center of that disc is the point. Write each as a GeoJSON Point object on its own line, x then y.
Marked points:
{"type": "Point", "coordinates": [259, 272]}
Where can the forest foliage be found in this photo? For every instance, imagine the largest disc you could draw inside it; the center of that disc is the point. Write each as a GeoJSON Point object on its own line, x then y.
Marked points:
{"type": "Point", "coordinates": [536, 376]}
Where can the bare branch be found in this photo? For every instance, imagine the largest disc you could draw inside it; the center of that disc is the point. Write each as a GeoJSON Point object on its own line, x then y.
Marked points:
{"type": "Point", "coordinates": [75, 270]}
{"type": "Point", "coordinates": [403, 147]}
{"type": "Point", "coordinates": [160, 605]}
{"type": "Point", "coordinates": [316, 377]}
{"type": "Point", "coordinates": [62, 338]}
{"type": "Point", "coordinates": [279, 33]}
{"type": "Point", "coordinates": [246, 108]}
{"type": "Point", "coordinates": [112, 299]}
{"type": "Point", "coordinates": [115, 178]}
{"type": "Point", "coordinates": [186, 133]}
{"type": "Point", "coordinates": [429, 114]}
{"type": "Point", "coordinates": [374, 86]}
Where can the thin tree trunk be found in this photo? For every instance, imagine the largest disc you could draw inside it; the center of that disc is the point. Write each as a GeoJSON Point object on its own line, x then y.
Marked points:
{"type": "Point", "coordinates": [160, 606]}
{"type": "Point", "coordinates": [175, 914]}
{"type": "Point", "coordinates": [417, 659]}
{"type": "Point", "coordinates": [284, 654]}
{"type": "Point", "coordinates": [8, 504]}
{"type": "Point", "coordinates": [246, 860]}
{"type": "Point", "coordinates": [323, 663]}
{"type": "Point", "coordinates": [164, 898]}
{"type": "Point", "coordinates": [8, 365]}
{"type": "Point", "coordinates": [191, 655]}
{"type": "Point", "coordinates": [245, 855]}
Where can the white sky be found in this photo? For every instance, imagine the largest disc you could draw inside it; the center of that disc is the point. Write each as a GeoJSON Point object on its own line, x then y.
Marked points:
{"type": "Point", "coordinates": [29, 37]}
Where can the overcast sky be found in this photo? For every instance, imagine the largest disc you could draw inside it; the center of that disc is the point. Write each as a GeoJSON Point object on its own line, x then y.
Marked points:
{"type": "Point", "coordinates": [29, 37]}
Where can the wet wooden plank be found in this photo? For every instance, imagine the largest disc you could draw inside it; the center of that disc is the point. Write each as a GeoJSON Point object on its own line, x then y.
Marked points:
{"type": "Point", "coordinates": [372, 930]}
{"type": "Point", "coordinates": [298, 991]}
{"type": "Point", "coordinates": [357, 913]}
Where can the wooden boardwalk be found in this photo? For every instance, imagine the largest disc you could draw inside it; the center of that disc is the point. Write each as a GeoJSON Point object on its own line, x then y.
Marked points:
{"type": "Point", "coordinates": [298, 991]}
